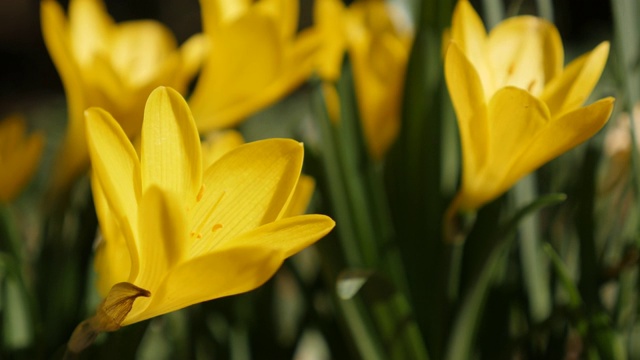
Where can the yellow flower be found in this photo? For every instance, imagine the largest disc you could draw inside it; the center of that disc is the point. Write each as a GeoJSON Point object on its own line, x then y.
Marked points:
{"type": "Point", "coordinates": [112, 66]}
{"type": "Point", "coordinates": [183, 235]}
{"type": "Point", "coordinates": [255, 58]}
{"type": "Point", "coordinates": [517, 108]}
{"type": "Point", "coordinates": [378, 45]}
{"type": "Point", "coordinates": [19, 156]}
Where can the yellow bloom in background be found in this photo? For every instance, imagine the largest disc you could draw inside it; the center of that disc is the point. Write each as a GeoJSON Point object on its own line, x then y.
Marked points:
{"type": "Point", "coordinates": [19, 156]}
{"type": "Point", "coordinates": [184, 235]}
{"type": "Point", "coordinates": [112, 66]}
{"type": "Point", "coordinates": [255, 58]}
{"type": "Point", "coordinates": [378, 42]}
{"type": "Point", "coordinates": [517, 108]}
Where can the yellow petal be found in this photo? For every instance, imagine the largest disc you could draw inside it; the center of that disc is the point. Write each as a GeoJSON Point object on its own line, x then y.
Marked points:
{"type": "Point", "coordinates": [72, 159]}
{"type": "Point", "coordinates": [222, 273]}
{"type": "Point", "coordinates": [572, 88]}
{"type": "Point", "coordinates": [300, 197]}
{"type": "Point", "coordinates": [329, 17]}
{"type": "Point", "coordinates": [564, 134]}
{"type": "Point", "coordinates": [192, 54]}
{"type": "Point", "coordinates": [288, 236]}
{"type": "Point", "coordinates": [467, 30]}
{"type": "Point", "coordinates": [245, 57]}
{"type": "Point", "coordinates": [89, 27]}
{"type": "Point", "coordinates": [139, 48]}
{"type": "Point", "coordinates": [115, 163]}
{"type": "Point", "coordinates": [217, 12]}
{"type": "Point", "coordinates": [161, 244]}
{"type": "Point", "coordinates": [468, 97]}
{"type": "Point", "coordinates": [19, 156]}
{"type": "Point", "coordinates": [170, 154]}
{"type": "Point", "coordinates": [516, 119]}
{"type": "Point", "coordinates": [245, 188]}
{"type": "Point", "coordinates": [112, 257]}
{"type": "Point", "coordinates": [219, 143]}
{"type": "Point", "coordinates": [525, 51]}
{"type": "Point", "coordinates": [285, 12]}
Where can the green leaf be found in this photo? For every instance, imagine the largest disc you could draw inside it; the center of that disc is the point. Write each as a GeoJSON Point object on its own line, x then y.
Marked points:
{"type": "Point", "coordinates": [575, 301]}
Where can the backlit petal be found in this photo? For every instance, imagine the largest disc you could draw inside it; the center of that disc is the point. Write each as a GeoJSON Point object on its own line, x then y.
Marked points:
{"type": "Point", "coordinates": [526, 52]}
{"type": "Point", "coordinates": [89, 28]}
{"type": "Point", "coordinates": [468, 31]}
{"type": "Point", "coordinates": [112, 257]}
{"type": "Point", "coordinates": [572, 88]}
{"type": "Point", "coordinates": [170, 154]}
{"type": "Point", "coordinates": [468, 100]}
{"type": "Point", "coordinates": [139, 48]}
{"type": "Point", "coordinates": [115, 163]}
{"type": "Point", "coordinates": [564, 134]}
{"type": "Point", "coordinates": [162, 228]}
{"type": "Point", "coordinates": [289, 235]}
{"type": "Point", "coordinates": [245, 57]}
{"type": "Point", "coordinates": [222, 273]}
{"type": "Point", "coordinates": [300, 198]}
{"type": "Point", "coordinates": [245, 188]}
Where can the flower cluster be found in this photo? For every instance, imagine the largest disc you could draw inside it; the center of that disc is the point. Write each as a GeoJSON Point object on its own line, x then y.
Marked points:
{"type": "Point", "coordinates": [412, 129]}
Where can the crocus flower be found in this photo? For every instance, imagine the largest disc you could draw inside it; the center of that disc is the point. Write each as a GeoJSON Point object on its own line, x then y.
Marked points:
{"type": "Point", "coordinates": [378, 43]}
{"type": "Point", "coordinates": [255, 58]}
{"type": "Point", "coordinates": [184, 235]}
{"type": "Point", "coordinates": [517, 108]}
{"type": "Point", "coordinates": [112, 66]}
{"type": "Point", "coordinates": [19, 156]}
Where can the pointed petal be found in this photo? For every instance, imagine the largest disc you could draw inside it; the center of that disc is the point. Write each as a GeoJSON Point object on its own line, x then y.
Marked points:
{"type": "Point", "coordinates": [170, 151]}
{"type": "Point", "coordinates": [525, 51]}
{"type": "Point", "coordinates": [112, 260]}
{"type": "Point", "coordinates": [72, 158]}
{"type": "Point", "coordinates": [245, 188]}
{"type": "Point", "coordinates": [289, 235]}
{"type": "Point", "coordinates": [89, 26]}
{"type": "Point", "coordinates": [115, 163]}
{"type": "Point", "coordinates": [222, 273]}
{"type": "Point", "coordinates": [572, 88]}
{"type": "Point", "coordinates": [245, 58]}
{"type": "Point", "coordinates": [162, 228]}
{"type": "Point", "coordinates": [300, 198]}
{"type": "Point", "coordinates": [516, 118]}
{"type": "Point", "coordinates": [468, 31]}
{"type": "Point", "coordinates": [564, 134]}
{"type": "Point", "coordinates": [468, 100]}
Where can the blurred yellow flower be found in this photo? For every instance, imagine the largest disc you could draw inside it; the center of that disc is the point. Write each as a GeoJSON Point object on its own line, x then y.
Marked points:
{"type": "Point", "coordinates": [112, 66]}
{"type": "Point", "coordinates": [19, 156]}
{"type": "Point", "coordinates": [183, 235]}
{"type": "Point", "coordinates": [517, 108]}
{"type": "Point", "coordinates": [378, 41]}
{"type": "Point", "coordinates": [255, 58]}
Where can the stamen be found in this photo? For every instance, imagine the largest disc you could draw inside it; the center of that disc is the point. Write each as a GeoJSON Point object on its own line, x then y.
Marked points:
{"type": "Point", "coordinates": [216, 227]}
{"type": "Point", "coordinates": [531, 84]}
{"type": "Point", "coordinates": [198, 229]}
